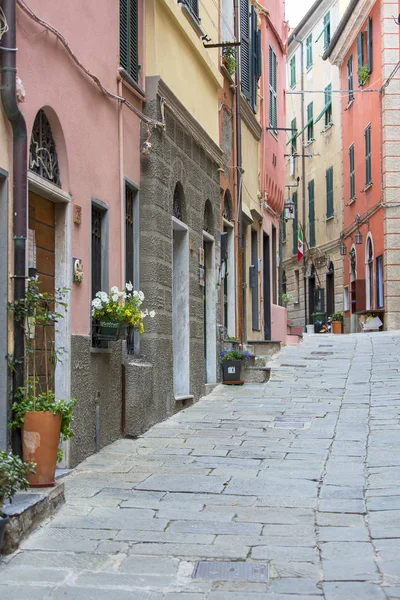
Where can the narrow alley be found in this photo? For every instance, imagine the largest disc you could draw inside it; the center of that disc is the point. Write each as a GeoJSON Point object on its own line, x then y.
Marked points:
{"type": "Point", "coordinates": [296, 482]}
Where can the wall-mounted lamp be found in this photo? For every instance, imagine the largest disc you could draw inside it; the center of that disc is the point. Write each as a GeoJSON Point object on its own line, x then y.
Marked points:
{"type": "Point", "coordinates": [289, 210]}
{"type": "Point", "coordinates": [343, 249]}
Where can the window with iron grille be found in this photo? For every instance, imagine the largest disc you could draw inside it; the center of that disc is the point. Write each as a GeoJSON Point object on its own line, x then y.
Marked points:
{"type": "Point", "coordinates": [129, 37]}
{"type": "Point", "coordinates": [43, 158]}
{"type": "Point", "coordinates": [193, 6]}
{"type": "Point", "coordinates": [350, 78]}
{"type": "Point", "coordinates": [293, 71]}
{"type": "Point", "coordinates": [97, 249]}
{"type": "Point", "coordinates": [273, 91]}
{"type": "Point", "coordinates": [310, 121]}
{"type": "Point", "coordinates": [352, 173]}
{"type": "Point", "coordinates": [309, 52]}
{"type": "Point", "coordinates": [295, 224]}
{"type": "Point", "coordinates": [329, 192]}
{"type": "Point", "coordinates": [368, 161]}
{"type": "Point", "coordinates": [327, 29]}
{"type": "Point", "coordinates": [130, 194]}
{"type": "Point", "coordinates": [311, 214]}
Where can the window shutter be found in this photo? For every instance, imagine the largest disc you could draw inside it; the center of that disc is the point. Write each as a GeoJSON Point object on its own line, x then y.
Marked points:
{"type": "Point", "coordinates": [368, 168]}
{"type": "Point", "coordinates": [350, 78]}
{"type": "Point", "coordinates": [259, 55]}
{"type": "Point", "coordinates": [360, 52]}
{"type": "Point", "coordinates": [245, 65]}
{"type": "Point", "coordinates": [293, 126]}
{"type": "Point", "coordinates": [293, 71]}
{"type": "Point", "coordinates": [128, 36]}
{"type": "Point", "coordinates": [273, 98]}
{"type": "Point", "coordinates": [327, 29]}
{"type": "Point", "coordinates": [329, 192]}
{"type": "Point", "coordinates": [352, 173]}
{"type": "Point", "coordinates": [253, 42]}
{"type": "Point", "coordinates": [295, 224]}
{"type": "Point", "coordinates": [311, 214]}
{"type": "Point", "coordinates": [123, 34]}
{"type": "Point", "coordinates": [369, 45]}
{"type": "Point", "coordinates": [309, 51]}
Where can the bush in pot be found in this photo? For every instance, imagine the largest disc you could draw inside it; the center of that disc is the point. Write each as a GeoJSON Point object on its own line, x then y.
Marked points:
{"type": "Point", "coordinates": [13, 477]}
{"type": "Point", "coordinates": [337, 322]}
{"type": "Point", "coordinates": [43, 419]}
{"type": "Point", "coordinates": [231, 363]}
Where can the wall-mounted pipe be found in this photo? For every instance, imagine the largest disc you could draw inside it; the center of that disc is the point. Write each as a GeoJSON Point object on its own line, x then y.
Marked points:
{"type": "Point", "coordinates": [20, 165]}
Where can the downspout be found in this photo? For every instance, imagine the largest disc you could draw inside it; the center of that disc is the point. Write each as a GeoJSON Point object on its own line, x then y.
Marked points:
{"type": "Point", "coordinates": [239, 172]}
{"type": "Point", "coordinates": [20, 199]}
{"type": "Point", "coordinates": [303, 170]}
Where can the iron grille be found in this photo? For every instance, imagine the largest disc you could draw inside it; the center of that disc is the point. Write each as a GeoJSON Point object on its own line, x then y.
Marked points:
{"type": "Point", "coordinates": [129, 241]}
{"type": "Point", "coordinates": [177, 205]}
{"type": "Point", "coordinates": [97, 219]}
{"type": "Point", "coordinates": [43, 158]}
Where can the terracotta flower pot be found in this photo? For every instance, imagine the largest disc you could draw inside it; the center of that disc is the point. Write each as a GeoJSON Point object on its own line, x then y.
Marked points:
{"type": "Point", "coordinates": [40, 439]}
{"type": "Point", "coordinates": [336, 326]}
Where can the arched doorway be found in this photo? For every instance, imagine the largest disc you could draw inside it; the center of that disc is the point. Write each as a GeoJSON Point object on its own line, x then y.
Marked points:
{"type": "Point", "coordinates": [330, 289]}
{"type": "Point", "coordinates": [209, 295]}
{"type": "Point", "coordinates": [369, 273]}
{"type": "Point", "coordinates": [228, 267]}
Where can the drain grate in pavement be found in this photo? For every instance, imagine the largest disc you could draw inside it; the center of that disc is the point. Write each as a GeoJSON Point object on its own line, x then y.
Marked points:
{"type": "Point", "coordinates": [288, 365]}
{"type": "Point", "coordinates": [322, 353]}
{"type": "Point", "coordinates": [244, 571]}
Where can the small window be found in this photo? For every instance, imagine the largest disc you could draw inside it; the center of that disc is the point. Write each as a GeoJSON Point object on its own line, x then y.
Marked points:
{"type": "Point", "coordinates": [368, 162]}
{"type": "Point", "coordinates": [328, 105]}
{"type": "Point", "coordinates": [128, 37]}
{"type": "Point", "coordinates": [360, 56]}
{"type": "Point", "coordinates": [297, 285]}
{"type": "Point", "coordinates": [99, 249]}
{"type": "Point", "coordinates": [273, 92]}
{"type": "Point", "coordinates": [327, 29]}
{"type": "Point", "coordinates": [309, 53]}
{"type": "Point", "coordinates": [295, 224]}
{"type": "Point", "coordinates": [329, 193]}
{"type": "Point", "coordinates": [310, 122]}
{"type": "Point", "coordinates": [350, 84]}
{"type": "Point", "coordinates": [293, 127]}
{"type": "Point", "coordinates": [369, 45]}
{"type": "Point", "coordinates": [379, 282]}
{"type": "Point", "coordinates": [193, 6]}
{"type": "Point", "coordinates": [293, 71]}
{"type": "Point", "coordinates": [352, 173]}
{"type": "Point", "coordinates": [311, 215]}
{"type": "Point", "coordinates": [346, 305]}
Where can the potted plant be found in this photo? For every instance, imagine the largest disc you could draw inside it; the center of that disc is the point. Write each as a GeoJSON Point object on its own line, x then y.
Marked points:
{"type": "Point", "coordinates": [363, 74]}
{"type": "Point", "coordinates": [337, 322]}
{"type": "Point", "coordinates": [13, 477]}
{"type": "Point", "coordinates": [113, 313]}
{"type": "Point", "coordinates": [287, 299]}
{"type": "Point", "coordinates": [231, 363]}
{"type": "Point", "coordinates": [43, 419]}
{"type": "Point", "coordinates": [229, 59]}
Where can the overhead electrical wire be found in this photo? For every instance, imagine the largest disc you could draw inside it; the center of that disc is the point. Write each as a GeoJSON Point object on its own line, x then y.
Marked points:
{"type": "Point", "coordinates": [104, 90]}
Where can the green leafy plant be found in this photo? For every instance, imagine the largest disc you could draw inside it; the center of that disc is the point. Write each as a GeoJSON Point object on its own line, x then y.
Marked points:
{"type": "Point", "coordinates": [363, 74]}
{"type": "Point", "coordinates": [229, 56]}
{"type": "Point", "coordinates": [232, 338]}
{"type": "Point", "coordinates": [337, 316]}
{"type": "Point", "coordinates": [287, 299]}
{"type": "Point", "coordinates": [13, 472]}
{"type": "Point", "coordinates": [235, 354]}
{"type": "Point", "coordinates": [121, 307]}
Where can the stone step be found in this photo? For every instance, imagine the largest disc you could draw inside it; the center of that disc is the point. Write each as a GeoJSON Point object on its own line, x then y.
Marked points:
{"type": "Point", "coordinates": [293, 339]}
{"type": "Point", "coordinates": [258, 374]}
{"type": "Point", "coordinates": [265, 347]}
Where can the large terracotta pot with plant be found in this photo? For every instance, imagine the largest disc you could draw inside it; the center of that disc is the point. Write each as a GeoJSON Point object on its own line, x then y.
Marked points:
{"type": "Point", "coordinates": [337, 322]}
{"type": "Point", "coordinates": [13, 477]}
{"type": "Point", "coordinates": [44, 420]}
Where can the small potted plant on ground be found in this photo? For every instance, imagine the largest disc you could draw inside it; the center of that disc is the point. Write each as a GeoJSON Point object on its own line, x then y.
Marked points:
{"type": "Point", "coordinates": [337, 322]}
{"type": "Point", "coordinates": [44, 420]}
{"type": "Point", "coordinates": [13, 477]}
{"type": "Point", "coordinates": [113, 313]}
{"type": "Point", "coordinates": [231, 363]}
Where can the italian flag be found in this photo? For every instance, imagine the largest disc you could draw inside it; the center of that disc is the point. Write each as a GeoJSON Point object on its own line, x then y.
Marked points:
{"type": "Point", "coordinates": [300, 252]}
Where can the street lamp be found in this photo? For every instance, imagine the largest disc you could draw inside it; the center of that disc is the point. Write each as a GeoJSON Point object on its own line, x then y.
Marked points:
{"type": "Point", "coordinates": [289, 210]}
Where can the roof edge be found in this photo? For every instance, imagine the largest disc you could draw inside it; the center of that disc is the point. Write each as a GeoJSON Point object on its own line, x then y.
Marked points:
{"type": "Point", "coordinates": [304, 20]}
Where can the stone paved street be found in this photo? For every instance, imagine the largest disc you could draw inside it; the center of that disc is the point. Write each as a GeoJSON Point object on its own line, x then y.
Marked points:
{"type": "Point", "coordinates": [302, 473]}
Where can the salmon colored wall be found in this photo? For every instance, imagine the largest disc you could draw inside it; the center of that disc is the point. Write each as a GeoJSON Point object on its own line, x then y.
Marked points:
{"type": "Point", "coordinates": [364, 110]}
{"type": "Point", "coordinates": [84, 121]}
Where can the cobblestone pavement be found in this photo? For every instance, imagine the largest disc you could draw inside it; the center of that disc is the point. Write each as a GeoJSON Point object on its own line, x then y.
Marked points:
{"type": "Point", "coordinates": [302, 473]}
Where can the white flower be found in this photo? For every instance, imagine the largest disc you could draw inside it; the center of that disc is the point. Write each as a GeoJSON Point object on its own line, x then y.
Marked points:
{"type": "Point", "coordinates": [152, 314]}
{"type": "Point", "coordinates": [122, 294]}
{"type": "Point", "coordinates": [135, 294]}
{"type": "Point", "coordinates": [103, 297]}
{"type": "Point", "coordinates": [114, 289]}
{"type": "Point", "coordinates": [115, 297]}
{"type": "Point", "coordinates": [93, 312]}
{"type": "Point", "coordinates": [99, 294]}
{"type": "Point", "coordinates": [96, 303]}
{"type": "Point", "coordinates": [141, 296]}
{"type": "Point", "coordinates": [129, 287]}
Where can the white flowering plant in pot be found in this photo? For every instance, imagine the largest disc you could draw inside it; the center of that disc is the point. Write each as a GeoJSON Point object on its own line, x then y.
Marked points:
{"type": "Point", "coordinates": [115, 312]}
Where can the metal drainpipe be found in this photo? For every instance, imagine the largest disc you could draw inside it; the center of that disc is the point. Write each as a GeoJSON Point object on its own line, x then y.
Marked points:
{"type": "Point", "coordinates": [20, 165]}
{"type": "Point", "coordinates": [303, 170]}
{"type": "Point", "coordinates": [241, 267]}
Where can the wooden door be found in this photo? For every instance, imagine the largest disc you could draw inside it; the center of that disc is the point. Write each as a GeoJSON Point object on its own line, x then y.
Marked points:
{"type": "Point", "coordinates": [42, 222]}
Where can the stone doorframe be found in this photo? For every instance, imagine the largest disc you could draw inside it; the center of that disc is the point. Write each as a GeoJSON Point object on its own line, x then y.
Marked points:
{"type": "Point", "coordinates": [180, 310]}
{"type": "Point", "coordinates": [211, 310]}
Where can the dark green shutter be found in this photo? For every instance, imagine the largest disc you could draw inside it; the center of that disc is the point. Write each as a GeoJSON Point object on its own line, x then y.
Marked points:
{"type": "Point", "coordinates": [295, 224]}
{"type": "Point", "coordinates": [369, 45]}
{"type": "Point", "coordinates": [273, 97]}
{"type": "Point", "coordinates": [368, 166]}
{"type": "Point", "coordinates": [293, 71]}
{"type": "Point", "coordinates": [328, 105]}
{"type": "Point", "coordinates": [293, 126]}
{"type": "Point", "coordinates": [360, 52]}
{"type": "Point", "coordinates": [311, 214]}
{"type": "Point", "coordinates": [327, 29]}
{"type": "Point", "coordinates": [352, 173]}
{"type": "Point", "coordinates": [128, 37]}
{"type": "Point", "coordinates": [253, 45]}
{"type": "Point", "coordinates": [245, 63]}
{"type": "Point", "coordinates": [309, 51]}
{"type": "Point", "coordinates": [329, 192]}
{"type": "Point", "coordinates": [310, 116]}
{"type": "Point", "coordinates": [350, 78]}
{"type": "Point", "coordinates": [259, 55]}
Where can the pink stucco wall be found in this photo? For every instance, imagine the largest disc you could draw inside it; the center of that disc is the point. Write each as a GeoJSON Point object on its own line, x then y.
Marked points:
{"type": "Point", "coordinates": [279, 324]}
{"type": "Point", "coordinates": [83, 120]}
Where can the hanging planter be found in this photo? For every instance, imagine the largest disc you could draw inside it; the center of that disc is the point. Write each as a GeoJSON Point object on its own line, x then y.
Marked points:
{"type": "Point", "coordinates": [109, 332]}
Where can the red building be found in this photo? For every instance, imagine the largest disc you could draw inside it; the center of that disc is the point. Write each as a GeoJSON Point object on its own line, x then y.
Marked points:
{"type": "Point", "coordinates": [356, 49]}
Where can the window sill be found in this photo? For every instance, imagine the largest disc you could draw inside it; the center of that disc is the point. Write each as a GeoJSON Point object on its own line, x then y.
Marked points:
{"type": "Point", "coordinates": [329, 218]}
{"type": "Point", "coordinates": [193, 20]}
{"type": "Point", "coordinates": [350, 104]}
{"type": "Point", "coordinates": [308, 143]}
{"type": "Point", "coordinates": [327, 128]}
{"type": "Point", "coordinates": [367, 186]}
{"type": "Point", "coordinates": [226, 73]}
{"type": "Point", "coordinates": [309, 68]}
{"type": "Point", "coordinates": [273, 133]}
{"type": "Point", "coordinates": [351, 201]}
{"type": "Point", "coordinates": [131, 83]}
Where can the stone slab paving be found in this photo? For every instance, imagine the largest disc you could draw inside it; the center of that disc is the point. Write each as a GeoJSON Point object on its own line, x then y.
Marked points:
{"type": "Point", "coordinates": [317, 498]}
